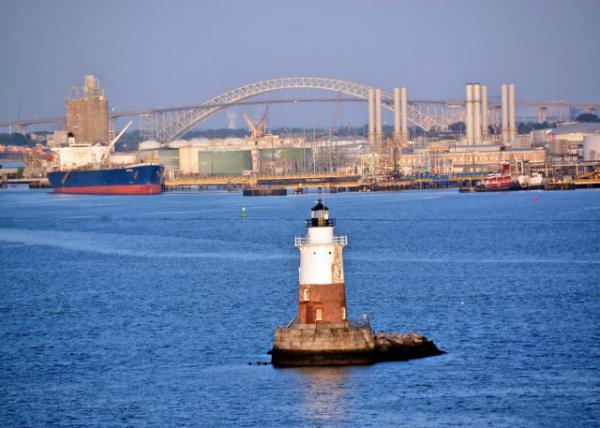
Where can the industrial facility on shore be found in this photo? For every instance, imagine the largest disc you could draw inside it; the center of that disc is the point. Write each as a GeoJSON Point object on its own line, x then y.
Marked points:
{"type": "Point", "coordinates": [489, 139]}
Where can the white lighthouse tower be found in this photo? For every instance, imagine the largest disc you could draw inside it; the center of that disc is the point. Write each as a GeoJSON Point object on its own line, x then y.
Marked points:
{"type": "Point", "coordinates": [322, 295]}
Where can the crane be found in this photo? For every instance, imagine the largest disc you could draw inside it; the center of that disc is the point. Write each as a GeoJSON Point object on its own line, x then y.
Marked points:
{"type": "Point", "coordinates": [257, 130]}
{"type": "Point", "coordinates": [114, 141]}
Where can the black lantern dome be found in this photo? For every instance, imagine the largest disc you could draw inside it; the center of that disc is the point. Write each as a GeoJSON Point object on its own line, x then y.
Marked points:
{"type": "Point", "coordinates": [319, 216]}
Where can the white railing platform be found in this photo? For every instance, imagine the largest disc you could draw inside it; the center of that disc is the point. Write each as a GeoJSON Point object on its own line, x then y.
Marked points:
{"type": "Point", "coordinates": [336, 240]}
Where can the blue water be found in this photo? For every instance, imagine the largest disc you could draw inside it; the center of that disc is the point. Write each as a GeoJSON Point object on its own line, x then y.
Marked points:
{"type": "Point", "coordinates": [146, 310]}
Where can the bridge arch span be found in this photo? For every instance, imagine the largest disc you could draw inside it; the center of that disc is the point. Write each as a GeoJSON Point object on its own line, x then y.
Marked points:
{"type": "Point", "coordinates": [171, 124]}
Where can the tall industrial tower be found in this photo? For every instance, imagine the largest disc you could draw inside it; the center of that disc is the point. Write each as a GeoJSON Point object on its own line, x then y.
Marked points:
{"type": "Point", "coordinates": [87, 112]}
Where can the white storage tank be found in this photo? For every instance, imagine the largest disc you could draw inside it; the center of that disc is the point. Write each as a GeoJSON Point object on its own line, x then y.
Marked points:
{"type": "Point", "coordinates": [149, 145]}
{"type": "Point", "coordinates": [199, 142]}
{"type": "Point", "coordinates": [591, 147]}
{"type": "Point", "coordinates": [122, 158]}
{"type": "Point", "coordinates": [177, 144]}
{"type": "Point", "coordinates": [233, 141]}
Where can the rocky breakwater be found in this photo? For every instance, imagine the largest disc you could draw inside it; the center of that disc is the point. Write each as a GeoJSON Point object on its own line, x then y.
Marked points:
{"type": "Point", "coordinates": [408, 346]}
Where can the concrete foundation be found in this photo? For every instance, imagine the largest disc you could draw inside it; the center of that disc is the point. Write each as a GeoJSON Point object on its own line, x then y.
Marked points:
{"type": "Point", "coordinates": [335, 344]}
{"type": "Point", "coordinates": [323, 344]}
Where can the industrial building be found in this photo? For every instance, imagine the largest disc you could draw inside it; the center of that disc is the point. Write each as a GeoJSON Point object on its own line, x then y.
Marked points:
{"type": "Point", "coordinates": [268, 155]}
{"type": "Point", "coordinates": [566, 141]}
{"type": "Point", "coordinates": [87, 113]}
{"type": "Point", "coordinates": [491, 138]}
{"type": "Point", "coordinates": [444, 158]}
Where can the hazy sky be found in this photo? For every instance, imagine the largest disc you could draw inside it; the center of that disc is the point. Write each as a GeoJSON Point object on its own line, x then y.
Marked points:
{"type": "Point", "coordinates": [171, 53]}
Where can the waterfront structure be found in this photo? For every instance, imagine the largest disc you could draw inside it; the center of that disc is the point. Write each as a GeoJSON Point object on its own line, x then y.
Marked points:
{"type": "Point", "coordinates": [87, 113]}
{"type": "Point", "coordinates": [566, 142]}
{"type": "Point", "coordinates": [444, 157]}
{"type": "Point", "coordinates": [269, 155]}
{"type": "Point", "coordinates": [591, 147]}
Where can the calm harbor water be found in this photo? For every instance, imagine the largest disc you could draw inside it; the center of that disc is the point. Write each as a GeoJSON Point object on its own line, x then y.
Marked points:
{"type": "Point", "coordinates": [146, 311]}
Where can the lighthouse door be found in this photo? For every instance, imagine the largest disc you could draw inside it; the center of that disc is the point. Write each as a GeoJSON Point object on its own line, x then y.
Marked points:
{"type": "Point", "coordinates": [309, 314]}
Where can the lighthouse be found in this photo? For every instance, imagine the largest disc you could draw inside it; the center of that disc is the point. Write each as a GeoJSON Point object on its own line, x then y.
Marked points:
{"type": "Point", "coordinates": [321, 334]}
{"type": "Point", "coordinates": [322, 294]}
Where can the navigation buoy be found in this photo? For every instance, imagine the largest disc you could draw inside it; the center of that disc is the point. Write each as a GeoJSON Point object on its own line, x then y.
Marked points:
{"type": "Point", "coordinates": [244, 213]}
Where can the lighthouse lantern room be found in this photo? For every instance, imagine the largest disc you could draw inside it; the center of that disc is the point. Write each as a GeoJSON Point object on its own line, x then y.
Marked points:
{"type": "Point", "coordinates": [322, 295]}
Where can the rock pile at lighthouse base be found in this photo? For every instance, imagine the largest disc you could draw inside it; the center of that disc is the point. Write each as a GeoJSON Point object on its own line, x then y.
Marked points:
{"type": "Point", "coordinates": [397, 347]}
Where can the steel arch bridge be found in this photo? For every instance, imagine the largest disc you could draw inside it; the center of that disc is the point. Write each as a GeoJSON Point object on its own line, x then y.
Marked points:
{"type": "Point", "coordinates": [170, 124]}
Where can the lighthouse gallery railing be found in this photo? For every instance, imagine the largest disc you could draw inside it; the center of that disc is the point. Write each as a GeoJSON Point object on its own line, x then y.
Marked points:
{"type": "Point", "coordinates": [304, 240]}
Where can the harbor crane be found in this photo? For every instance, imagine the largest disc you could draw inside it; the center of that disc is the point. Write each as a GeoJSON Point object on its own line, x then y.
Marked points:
{"type": "Point", "coordinates": [257, 130]}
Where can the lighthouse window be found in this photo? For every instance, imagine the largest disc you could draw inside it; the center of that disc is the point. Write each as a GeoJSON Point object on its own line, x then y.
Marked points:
{"type": "Point", "coordinates": [306, 294]}
{"type": "Point", "coordinates": [319, 314]}
{"type": "Point", "coordinates": [344, 313]}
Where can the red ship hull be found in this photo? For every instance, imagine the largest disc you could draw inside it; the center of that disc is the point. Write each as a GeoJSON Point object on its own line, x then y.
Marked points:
{"type": "Point", "coordinates": [131, 189]}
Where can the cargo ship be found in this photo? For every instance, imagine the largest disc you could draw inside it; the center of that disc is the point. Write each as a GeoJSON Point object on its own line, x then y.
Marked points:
{"type": "Point", "coordinates": [140, 179]}
{"type": "Point", "coordinates": [86, 169]}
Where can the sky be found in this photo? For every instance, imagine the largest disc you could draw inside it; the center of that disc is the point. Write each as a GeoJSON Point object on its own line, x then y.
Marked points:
{"type": "Point", "coordinates": [159, 53]}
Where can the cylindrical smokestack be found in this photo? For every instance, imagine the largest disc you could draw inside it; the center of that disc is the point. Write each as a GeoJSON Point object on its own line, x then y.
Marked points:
{"type": "Point", "coordinates": [512, 126]}
{"type": "Point", "coordinates": [476, 113]}
{"type": "Point", "coordinates": [378, 128]}
{"type": "Point", "coordinates": [469, 118]}
{"type": "Point", "coordinates": [484, 111]}
{"type": "Point", "coordinates": [404, 108]}
{"type": "Point", "coordinates": [397, 131]}
{"type": "Point", "coordinates": [505, 132]}
{"type": "Point", "coordinates": [371, 115]}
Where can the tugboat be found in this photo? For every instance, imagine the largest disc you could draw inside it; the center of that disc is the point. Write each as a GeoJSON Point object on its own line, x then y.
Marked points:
{"type": "Point", "coordinates": [499, 181]}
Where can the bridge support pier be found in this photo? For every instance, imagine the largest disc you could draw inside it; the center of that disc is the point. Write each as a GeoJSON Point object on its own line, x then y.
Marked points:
{"type": "Point", "coordinates": [512, 113]}
{"type": "Point", "coordinates": [397, 130]}
{"type": "Point", "coordinates": [505, 130]}
{"type": "Point", "coordinates": [371, 134]}
{"type": "Point", "coordinates": [404, 109]}
{"type": "Point", "coordinates": [378, 127]}
{"type": "Point", "coordinates": [484, 112]}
